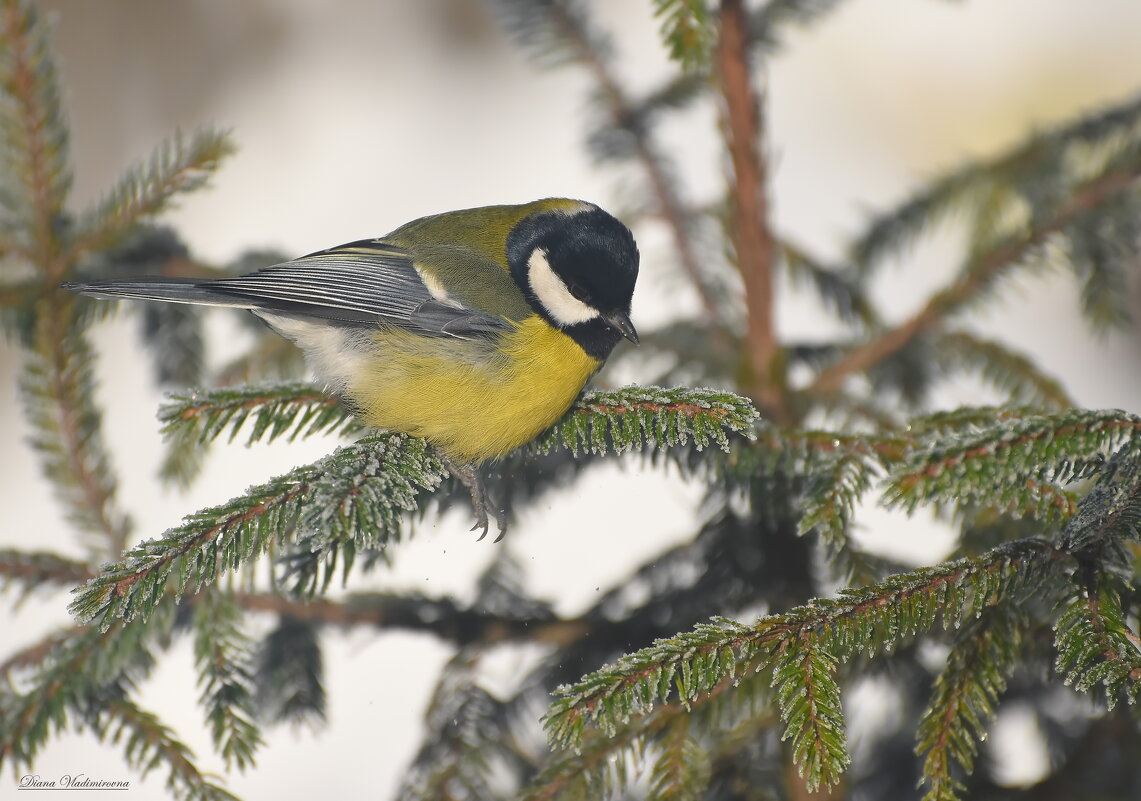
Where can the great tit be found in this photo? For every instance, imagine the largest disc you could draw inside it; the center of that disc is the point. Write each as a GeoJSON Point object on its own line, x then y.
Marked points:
{"type": "Point", "coordinates": [474, 329]}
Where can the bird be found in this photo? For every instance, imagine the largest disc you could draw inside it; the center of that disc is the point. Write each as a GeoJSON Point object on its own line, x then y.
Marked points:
{"type": "Point", "coordinates": [475, 329]}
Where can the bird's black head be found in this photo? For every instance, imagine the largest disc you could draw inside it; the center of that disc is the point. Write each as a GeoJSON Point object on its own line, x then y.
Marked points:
{"type": "Point", "coordinates": [577, 269]}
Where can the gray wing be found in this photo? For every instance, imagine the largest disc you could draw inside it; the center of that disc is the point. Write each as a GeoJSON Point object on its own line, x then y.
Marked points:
{"type": "Point", "coordinates": [361, 284]}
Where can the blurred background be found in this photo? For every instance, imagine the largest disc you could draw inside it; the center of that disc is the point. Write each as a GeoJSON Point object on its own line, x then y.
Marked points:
{"type": "Point", "coordinates": [354, 117]}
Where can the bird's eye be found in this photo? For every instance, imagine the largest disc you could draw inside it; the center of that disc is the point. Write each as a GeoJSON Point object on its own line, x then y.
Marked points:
{"type": "Point", "coordinates": [577, 292]}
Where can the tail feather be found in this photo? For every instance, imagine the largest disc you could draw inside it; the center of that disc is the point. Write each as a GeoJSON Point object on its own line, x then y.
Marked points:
{"type": "Point", "coordinates": [171, 290]}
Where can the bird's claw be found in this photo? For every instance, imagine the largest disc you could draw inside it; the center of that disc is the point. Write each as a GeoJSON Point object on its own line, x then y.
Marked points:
{"type": "Point", "coordinates": [469, 476]}
{"type": "Point", "coordinates": [482, 523]}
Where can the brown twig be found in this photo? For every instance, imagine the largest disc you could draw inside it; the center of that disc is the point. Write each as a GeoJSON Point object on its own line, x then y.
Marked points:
{"type": "Point", "coordinates": [983, 269]}
{"type": "Point", "coordinates": [751, 236]}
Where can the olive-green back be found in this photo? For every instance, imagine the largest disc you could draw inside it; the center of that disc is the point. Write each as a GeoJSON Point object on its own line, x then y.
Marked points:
{"type": "Point", "coordinates": [466, 251]}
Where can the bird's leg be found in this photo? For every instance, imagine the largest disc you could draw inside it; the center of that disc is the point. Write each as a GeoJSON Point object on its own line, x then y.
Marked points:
{"type": "Point", "coordinates": [471, 478]}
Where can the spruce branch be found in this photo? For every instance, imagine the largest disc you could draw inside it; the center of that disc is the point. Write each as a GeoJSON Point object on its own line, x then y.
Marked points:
{"type": "Point", "coordinates": [290, 671]}
{"type": "Point", "coordinates": [639, 417]}
{"type": "Point", "coordinates": [291, 410]}
{"type": "Point", "coordinates": [839, 291]}
{"type": "Point", "coordinates": [34, 149]}
{"type": "Point", "coordinates": [1006, 370]}
{"type": "Point", "coordinates": [355, 493]}
{"type": "Point", "coordinates": [681, 771]}
{"type": "Point", "coordinates": [57, 385]}
{"type": "Point", "coordinates": [806, 451]}
{"type": "Point", "coordinates": [1010, 462]}
{"type": "Point", "coordinates": [965, 419]}
{"type": "Point", "coordinates": [353, 498]}
{"type": "Point", "coordinates": [58, 392]}
{"type": "Point", "coordinates": [28, 719]}
{"type": "Point", "coordinates": [834, 487]}
{"type": "Point", "coordinates": [687, 30]}
{"type": "Point", "coordinates": [470, 732]}
{"type": "Point", "coordinates": [599, 422]}
{"type": "Point", "coordinates": [556, 31]}
{"type": "Point", "coordinates": [188, 428]}
{"type": "Point", "coordinates": [81, 679]}
{"type": "Point", "coordinates": [71, 672]}
{"type": "Point", "coordinates": [966, 692]}
{"type": "Point", "coordinates": [1102, 254]}
{"type": "Point", "coordinates": [978, 274]}
{"type": "Point", "coordinates": [1094, 642]}
{"type": "Point", "coordinates": [700, 664]}
{"type": "Point", "coordinates": [1110, 513]}
{"type": "Point", "coordinates": [148, 742]}
{"type": "Point", "coordinates": [224, 657]}
{"type": "Point", "coordinates": [809, 701]}
{"type": "Point", "coordinates": [1043, 172]}
{"type": "Point", "coordinates": [179, 165]}
{"type": "Point", "coordinates": [593, 767]}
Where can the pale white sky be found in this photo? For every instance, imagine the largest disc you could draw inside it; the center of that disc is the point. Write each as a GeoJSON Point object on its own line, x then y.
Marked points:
{"type": "Point", "coordinates": [353, 117]}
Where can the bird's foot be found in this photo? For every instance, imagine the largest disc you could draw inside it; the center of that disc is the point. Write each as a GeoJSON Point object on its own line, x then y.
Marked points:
{"type": "Point", "coordinates": [470, 477]}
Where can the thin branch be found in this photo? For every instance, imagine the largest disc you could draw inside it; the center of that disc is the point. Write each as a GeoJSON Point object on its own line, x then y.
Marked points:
{"type": "Point", "coordinates": [974, 280]}
{"type": "Point", "coordinates": [752, 238]}
{"type": "Point", "coordinates": [670, 207]}
{"type": "Point", "coordinates": [442, 617]}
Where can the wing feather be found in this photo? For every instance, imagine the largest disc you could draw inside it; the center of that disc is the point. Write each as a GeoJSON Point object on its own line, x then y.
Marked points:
{"type": "Point", "coordinates": [363, 283]}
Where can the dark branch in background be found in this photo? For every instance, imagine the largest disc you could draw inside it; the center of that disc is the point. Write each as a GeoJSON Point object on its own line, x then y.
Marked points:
{"type": "Point", "coordinates": [440, 616]}
{"type": "Point", "coordinates": [752, 239]}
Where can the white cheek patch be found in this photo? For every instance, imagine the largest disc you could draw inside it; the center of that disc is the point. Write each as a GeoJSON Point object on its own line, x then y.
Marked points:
{"type": "Point", "coordinates": [564, 308]}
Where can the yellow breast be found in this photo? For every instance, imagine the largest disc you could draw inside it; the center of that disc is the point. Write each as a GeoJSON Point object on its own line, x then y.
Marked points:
{"type": "Point", "coordinates": [473, 400]}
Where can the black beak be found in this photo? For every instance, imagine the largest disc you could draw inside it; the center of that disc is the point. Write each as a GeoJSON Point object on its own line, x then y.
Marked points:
{"type": "Point", "coordinates": [620, 322]}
